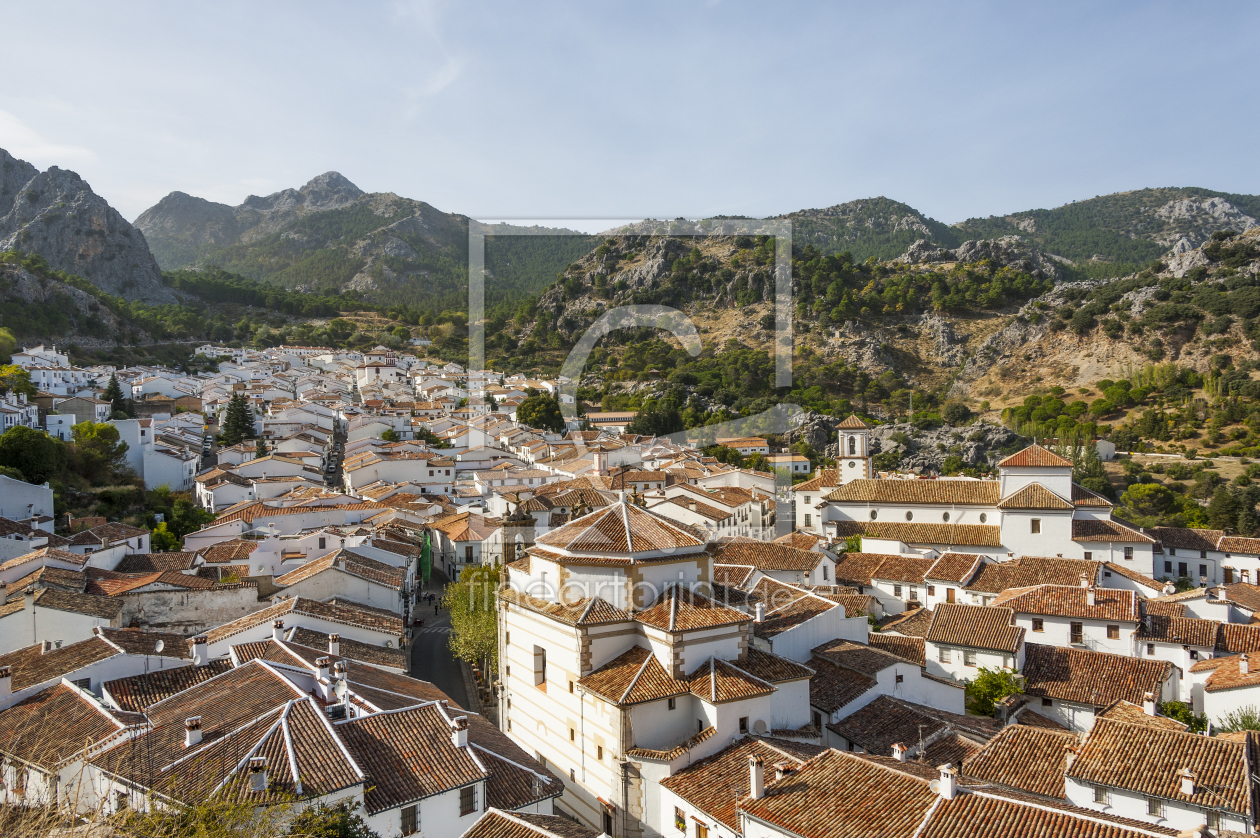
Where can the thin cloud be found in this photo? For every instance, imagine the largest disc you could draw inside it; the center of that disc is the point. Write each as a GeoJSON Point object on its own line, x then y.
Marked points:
{"type": "Point", "coordinates": [24, 142]}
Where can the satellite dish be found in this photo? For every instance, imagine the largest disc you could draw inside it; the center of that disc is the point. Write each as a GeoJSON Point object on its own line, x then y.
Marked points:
{"type": "Point", "coordinates": [340, 688]}
{"type": "Point", "coordinates": [935, 786]}
{"type": "Point", "coordinates": [159, 646]}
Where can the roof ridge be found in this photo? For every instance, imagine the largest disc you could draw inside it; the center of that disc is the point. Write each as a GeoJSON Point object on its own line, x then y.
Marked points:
{"type": "Point", "coordinates": [637, 675]}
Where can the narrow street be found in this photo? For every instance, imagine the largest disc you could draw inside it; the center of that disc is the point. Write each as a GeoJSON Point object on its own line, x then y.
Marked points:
{"type": "Point", "coordinates": [431, 658]}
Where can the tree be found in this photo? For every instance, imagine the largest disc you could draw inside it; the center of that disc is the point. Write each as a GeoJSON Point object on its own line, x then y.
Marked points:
{"type": "Point", "coordinates": [758, 462]}
{"type": "Point", "coordinates": [1182, 712]}
{"type": "Point", "coordinates": [390, 435]}
{"type": "Point", "coordinates": [260, 448]}
{"type": "Point", "coordinates": [114, 395]}
{"type": "Point", "coordinates": [14, 378]}
{"type": "Point", "coordinates": [471, 603]}
{"type": "Point", "coordinates": [1244, 718]}
{"type": "Point", "coordinates": [238, 424]}
{"type": "Point", "coordinates": [991, 686]}
{"type": "Point", "coordinates": [657, 417]}
{"type": "Point", "coordinates": [98, 452]}
{"type": "Point", "coordinates": [339, 820]}
{"type": "Point", "coordinates": [542, 412]}
{"type": "Point", "coordinates": [1223, 511]}
{"type": "Point", "coordinates": [340, 329]}
{"type": "Point", "coordinates": [955, 413]}
{"type": "Point", "coordinates": [8, 345]}
{"type": "Point", "coordinates": [725, 455]}
{"type": "Point", "coordinates": [187, 517]}
{"type": "Point", "coordinates": [35, 454]}
{"type": "Point", "coordinates": [161, 538]}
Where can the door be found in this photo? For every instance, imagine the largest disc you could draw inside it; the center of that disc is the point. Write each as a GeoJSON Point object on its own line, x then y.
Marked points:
{"type": "Point", "coordinates": [949, 594]}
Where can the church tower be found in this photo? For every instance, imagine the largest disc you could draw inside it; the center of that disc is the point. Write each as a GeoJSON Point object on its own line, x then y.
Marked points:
{"type": "Point", "coordinates": [854, 460]}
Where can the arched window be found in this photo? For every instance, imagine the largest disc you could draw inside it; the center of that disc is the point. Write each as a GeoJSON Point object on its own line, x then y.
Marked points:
{"type": "Point", "coordinates": [983, 517]}
{"type": "Point", "coordinates": [909, 516]}
{"type": "Point", "coordinates": [945, 517]}
{"type": "Point", "coordinates": [874, 514]}
{"type": "Point", "coordinates": [852, 446]}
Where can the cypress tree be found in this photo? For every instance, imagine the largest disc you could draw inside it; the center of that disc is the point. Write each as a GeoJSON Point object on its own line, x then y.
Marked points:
{"type": "Point", "coordinates": [114, 395]}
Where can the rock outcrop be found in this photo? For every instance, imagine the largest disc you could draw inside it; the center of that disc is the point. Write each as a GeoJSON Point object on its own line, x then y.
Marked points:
{"type": "Point", "coordinates": [922, 451]}
{"type": "Point", "coordinates": [1007, 251]}
{"type": "Point", "coordinates": [57, 215]}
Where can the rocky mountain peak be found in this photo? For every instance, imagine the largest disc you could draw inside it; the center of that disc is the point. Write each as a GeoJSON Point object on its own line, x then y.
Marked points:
{"type": "Point", "coordinates": [329, 190]}
{"type": "Point", "coordinates": [57, 215]}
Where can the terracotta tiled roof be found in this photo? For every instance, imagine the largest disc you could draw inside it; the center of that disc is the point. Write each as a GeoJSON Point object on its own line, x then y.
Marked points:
{"type": "Point", "coordinates": [50, 576]}
{"type": "Point", "coordinates": [910, 648]}
{"type": "Point", "coordinates": [1089, 529]}
{"type": "Point", "coordinates": [1083, 497]}
{"type": "Point", "coordinates": [496, 823]}
{"type": "Point", "coordinates": [633, 678]}
{"type": "Point", "coordinates": [858, 657]}
{"type": "Point", "coordinates": [620, 529]}
{"type": "Point", "coordinates": [887, 720]}
{"type": "Point", "coordinates": [1072, 601]}
{"type": "Point", "coordinates": [46, 553]}
{"type": "Point", "coordinates": [950, 492]}
{"type": "Point", "coordinates": [764, 555]}
{"type": "Point", "coordinates": [1146, 760]}
{"type": "Point", "coordinates": [912, 623]}
{"type": "Point", "coordinates": [338, 613]}
{"type": "Point", "coordinates": [681, 609]}
{"type": "Point", "coordinates": [669, 754]}
{"type": "Point", "coordinates": [732, 574]}
{"type": "Point", "coordinates": [351, 649]}
{"type": "Point", "coordinates": [1130, 713]}
{"type": "Point", "coordinates": [1029, 718]}
{"type": "Point", "coordinates": [852, 423]}
{"type": "Point", "coordinates": [707, 785]}
{"type": "Point", "coordinates": [1027, 571]}
{"type": "Point", "coordinates": [834, 687]}
{"type": "Point", "coordinates": [1132, 575]}
{"type": "Point", "coordinates": [590, 611]}
{"type": "Point", "coordinates": [226, 552]}
{"type": "Point", "coordinates": [717, 681]}
{"type": "Point", "coordinates": [1237, 544]}
{"type": "Point", "coordinates": [1028, 758]}
{"type": "Point", "coordinates": [951, 749]}
{"type": "Point", "coordinates": [1227, 674]}
{"type": "Point", "coordinates": [976, 626]}
{"type": "Point", "coordinates": [155, 562]}
{"type": "Point", "coordinates": [1236, 638]}
{"type": "Point", "coordinates": [787, 607]}
{"type": "Point", "coordinates": [772, 668]}
{"type": "Point", "coordinates": [136, 642]}
{"type": "Point", "coordinates": [108, 583]}
{"type": "Point", "coordinates": [897, 568]}
{"type": "Point", "coordinates": [54, 726]}
{"type": "Point", "coordinates": [1185, 538]}
{"type": "Point", "coordinates": [859, 568]}
{"type": "Point", "coordinates": [346, 561]}
{"type": "Point", "coordinates": [1034, 496]}
{"type": "Point", "coordinates": [837, 793]}
{"type": "Point", "coordinates": [1243, 594]}
{"type": "Point", "coordinates": [136, 693]}
{"type": "Point", "coordinates": [112, 532]}
{"type": "Point", "coordinates": [825, 480]}
{"type": "Point", "coordinates": [55, 599]}
{"type": "Point", "coordinates": [1034, 456]}
{"type": "Point", "coordinates": [1095, 678]}
{"type": "Point", "coordinates": [954, 567]}
{"type": "Point", "coordinates": [1183, 631]}
{"type": "Point", "coordinates": [950, 535]}
{"type": "Point", "coordinates": [467, 526]}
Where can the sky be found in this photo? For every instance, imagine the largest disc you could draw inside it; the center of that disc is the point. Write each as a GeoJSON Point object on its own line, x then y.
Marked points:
{"type": "Point", "coordinates": [594, 112]}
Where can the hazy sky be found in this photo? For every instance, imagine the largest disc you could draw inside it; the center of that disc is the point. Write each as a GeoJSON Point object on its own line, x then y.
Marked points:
{"type": "Point", "coordinates": [628, 110]}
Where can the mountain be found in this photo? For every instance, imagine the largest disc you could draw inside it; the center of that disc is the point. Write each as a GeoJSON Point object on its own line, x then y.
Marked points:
{"type": "Point", "coordinates": [330, 236]}
{"type": "Point", "coordinates": [1116, 234]}
{"type": "Point", "coordinates": [57, 215]}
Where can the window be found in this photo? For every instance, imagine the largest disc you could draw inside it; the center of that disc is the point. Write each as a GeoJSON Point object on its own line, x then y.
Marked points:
{"type": "Point", "coordinates": [969, 658]}
{"type": "Point", "coordinates": [1038, 624]}
{"type": "Point", "coordinates": [680, 819]}
{"type": "Point", "coordinates": [1154, 807]}
{"type": "Point", "coordinates": [826, 576]}
{"type": "Point", "coordinates": [468, 557]}
{"type": "Point", "coordinates": [817, 719]}
{"type": "Point", "coordinates": [874, 514]}
{"type": "Point", "coordinates": [507, 638]}
{"type": "Point", "coordinates": [84, 684]}
{"type": "Point", "coordinates": [1203, 572]}
{"type": "Point", "coordinates": [809, 519]}
{"type": "Point", "coordinates": [914, 594]}
{"type": "Point", "coordinates": [852, 446]}
{"type": "Point", "coordinates": [1035, 526]}
{"type": "Point", "coordinates": [1203, 554]}
{"type": "Point", "coordinates": [599, 752]}
{"type": "Point", "coordinates": [1213, 820]}
{"type": "Point", "coordinates": [1172, 551]}
{"type": "Point", "coordinates": [540, 667]}
{"type": "Point", "coordinates": [1150, 649]}
{"type": "Point", "coordinates": [408, 820]}
{"type": "Point", "coordinates": [1100, 795]}
{"type": "Point", "coordinates": [1047, 702]}
{"type": "Point", "coordinates": [1182, 570]}
{"type": "Point", "coordinates": [573, 775]}
{"type": "Point", "coordinates": [945, 517]}
{"type": "Point", "coordinates": [931, 590]}
{"type": "Point", "coordinates": [984, 516]}
{"type": "Point", "coordinates": [321, 546]}
{"type": "Point", "coordinates": [570, 687]}
{"type": "Point", "coordinates": [900, 678]}
{"type": "Point", "coordinates": [1194, 655]}
{"type": "Point", "coordinates": [467, 800]}
{"type": "Point", "coordinates": [572, 735]}
{"type": "Point", "coordinates": [897, 591]}
{"type": "Point", "coordinates": [673, 703]}
{"type": "Point", "coordinates": [1008, 662]}
{"type": "Point", "coordinates": [1167, 567]}
{"type": "Point", "coordinates": [1078, 633]}
{"type": "Point", "coordinates": [743, 724]}
{"type": "Point", "coordinates": [1229, 575]}
{"type": "Point", "coordinates": [807, 501]}
{"type": "Point", "coordinates": [1113, 632]}
{"type": "Point", "coordinates": [1128, 553]}
{"type": "Point", "coordinates": [909, 515]}
{"type": "Point", "coordinates": [945, 655]}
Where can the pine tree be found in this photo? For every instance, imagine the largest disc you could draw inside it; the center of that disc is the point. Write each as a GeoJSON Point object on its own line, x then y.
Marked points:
{"type": "Point", "coordinates": [261, 450]}
{"type": "Point", "coordinates": [114, 395]}
{"type": "Point", "coordinates": [238, 425]}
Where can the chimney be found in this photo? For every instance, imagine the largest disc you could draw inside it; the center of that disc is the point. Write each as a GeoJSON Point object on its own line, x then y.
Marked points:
{"type": "Point", "coordinates": [324, 682]}
{"type": "Point", "coordinates": [334, 644]}
{"type": "Point", "coordinates": [1069, 757]}
{"type": "Point", "coordinates": [1091, 598]}
{"type": "Point", "coordinates": [200, 650]}
{"type": "Point", "coordinates": [757, 778]}
{"type": "Point", "coordinates": [192, 731]}
{"type": "Point", "coordinates": [899, 752]}
{"type": "Point", "coordinates": [277, 630]}
{"type": "Point", "coordinates": [28, 598]}
{"type": "Point", "coordinates": [1186, 776]}
{"type": "Point", "coordinates": [761, 612]}
{"type": "Point", "coordinates": [6, 683]}
{"type": "Point", "coordinates": [947, 785]}
{"type": "Point", "coordinates": [1148, 704]}
{"type": "Point", "coordinates": [1244, 665]}
{"type": "Point", "coordinates": [459, 734]}
{"type": "Point", "coordinates": [1084, 580]}
{"type": "Point", "coordinates": [257, 773]}
{"type": "Point", "coordinates": [46, 647]}
{"type": "Point", "coordinates": [781, 770]}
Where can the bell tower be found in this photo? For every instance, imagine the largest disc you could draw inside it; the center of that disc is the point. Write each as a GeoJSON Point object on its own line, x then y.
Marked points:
{"type": "Point", "coordinates": [854, 460]}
